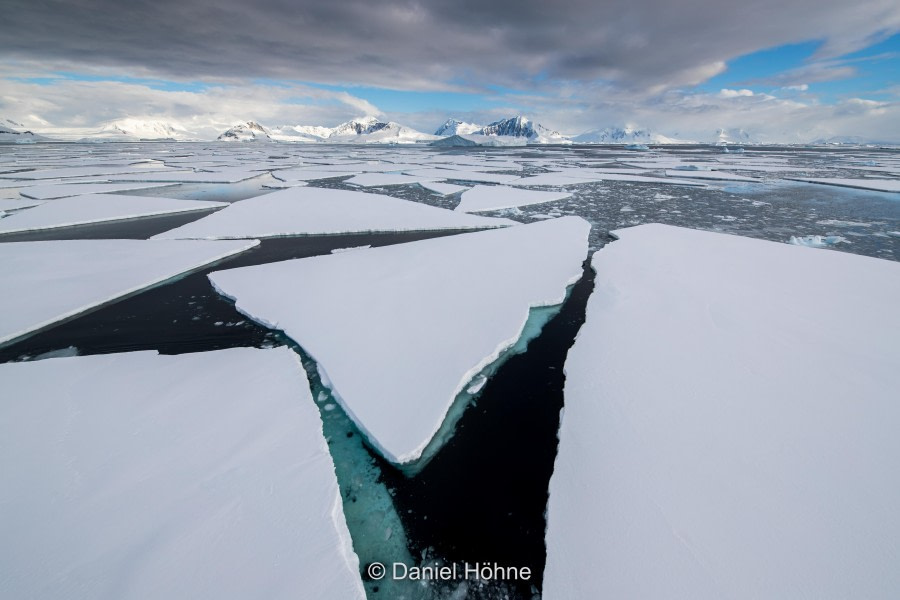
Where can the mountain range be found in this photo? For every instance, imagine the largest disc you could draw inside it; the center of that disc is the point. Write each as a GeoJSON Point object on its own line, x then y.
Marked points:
{"type": "Point", "coordinates": [514, 131]}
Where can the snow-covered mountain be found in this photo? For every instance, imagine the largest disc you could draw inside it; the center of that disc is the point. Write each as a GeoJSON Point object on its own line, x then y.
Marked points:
{"type": "Point", "coordinates": [624, 135]}
{"type": "Point", "coordinates": [250, 131]}
{"type": "Point", "coordinates": [142, 129]}
{"type": "Point", "coordinates": [456, 127]}
{"type": "Point", "coordinates": [8, 135]}
{"type": "Point", "coordinates": [522, 127]}
{"type": "Point", "coordinates": [367, 130]}
{"type": "Point", "coordinates": [734, 136]}
{"type": "Point", "coordinates": [370, 130]}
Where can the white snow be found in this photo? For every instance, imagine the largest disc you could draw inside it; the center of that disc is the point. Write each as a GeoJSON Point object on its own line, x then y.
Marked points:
{"type": "Point", "coordinates": [47, 282]}
{"type": "Point", "coordinates": [51, 192]}
{"type": "Point", "coordinates": [730, 424]}
{"type": "Point", "coordinates": [713, 175]}
{"type": "Point", "coordinates": [8, 204]}
{"type": "Point", "coordinates": [95, 208]}
{"type": "Point", "coordinates": [444, 189]}
{"type": "Point", "coordinates": [648, 179]}
{"type": "Point", "coordinates": [381, 179]}
{"type": "Point", "coordinates": [463, 175]}
{"type": "Point", "coordinates": [401, 330]}
{"type": "Point", "coordinates": [880, 185]}
{"type": "Point", "coordinates": [559, 179]}
{"type": "Point", "coordinates": [225, 175]}
{"type": "Point", "coordinates": [493, 197]}
{"type": "Point", "coordinates": [318, 211]}
{"type": "Point", "coordinates": [139, 476]}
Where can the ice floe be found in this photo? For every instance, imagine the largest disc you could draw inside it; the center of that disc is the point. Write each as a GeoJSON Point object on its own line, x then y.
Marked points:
{"type": "Point", "coordinates": [96, 208]}
{"type": "Point", "coordinates": [493, 197]}
{"type": "Point", "coordinates": [712, 175]}
{"type": "Point", "coordinates": [47, 282]}
{"type": "Point", "coordinates": [51, 192]}
{"type": "Point", "coordinates": [730, 424]}
{"type": "Point", "coordinates": [817, 241]}
{"type": "Point", "coordinates": [879, 185]}
{"type": "Point", "coordinates": [401, 330]}
{"type": "Point", "coordinates": [318, 211]}
{"type": "Point", "coordinates": [444, 189]}
{"type": "Point", "coordinates": [191, 476]}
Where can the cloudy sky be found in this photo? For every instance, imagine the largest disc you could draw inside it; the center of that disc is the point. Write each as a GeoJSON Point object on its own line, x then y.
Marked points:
{"type": "Point", "coordinates": [784, 70]}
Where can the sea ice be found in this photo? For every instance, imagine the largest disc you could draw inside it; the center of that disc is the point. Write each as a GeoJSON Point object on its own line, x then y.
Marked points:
{"type": "Point", "coordinates": [148, 476]}
{"type": "Point", "coordinates": [63, 190]}
{"type": "Point", "coordinates": [444, 189]}
{"type": "Point", "coordinates": [95, 208]}
{"type": "Point", "coordinates": [47, 282]}
{"type": "Point", "coordinates": [713, 175]}
{"type": "Point", "coordinates": [730, 424]}
{"type": "Point", "coordinates": [494, 197]}
{"type": "Point", "coordinates": [382, 179]}
{"type": "Point", "coordinates": [401, 330]}
{"type": "Point", "coordinates": [880, 185]}
{"type": "Point", "coordinates": [817, 241]}
{"type": "Point", "coordinates": [318, 211]}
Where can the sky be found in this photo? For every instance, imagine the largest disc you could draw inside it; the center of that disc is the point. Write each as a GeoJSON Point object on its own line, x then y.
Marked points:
{"type": "Point", "coordinates": [782, 70]}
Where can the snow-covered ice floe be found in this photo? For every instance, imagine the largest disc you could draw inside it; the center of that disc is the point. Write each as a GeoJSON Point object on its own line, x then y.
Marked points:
{"type": "Point", "coordinates": [146, 476]}
{"type": "Point", "coordinates": [318, 211]}
{"type": "Point", "coordinates": [712, 175]}
{"type": "Point", "coordinates": [96, 208]}
{"type": "Point", "coordinates": [47, 282]}
{"type": "Point", "coordinates": [730, 424]}
{"type": "Point", "coordinates": [64, 190]}
{"type": "Point", "coordinates": [401, 330]}
{"type": "Point", "coordinates": [879, 185]}
{"type": "Point", "coordinates": [494, 197]}
{"type": "Point", "coordinates": [444, 189]}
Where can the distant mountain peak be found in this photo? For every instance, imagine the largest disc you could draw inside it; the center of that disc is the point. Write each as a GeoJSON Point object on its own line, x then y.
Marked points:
{"type": "Point", "coordinates": [522, 126]}
{"type": "Point", "coordinates": [453, 126]}
{"type": "Point", "coordinates": [249, 131]}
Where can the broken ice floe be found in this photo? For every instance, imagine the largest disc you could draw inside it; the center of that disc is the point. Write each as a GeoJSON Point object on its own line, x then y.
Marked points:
{"type": "Point", "coordinates": [96, 208]}
{"type": "Point", "coordinates": [879, 185]}
{"type": "Point", "coordinates": [318, 211]}
{"type": "Point", "coordinates": [402, 330]}
{"type": "Point", "coordinates": [192, 476]}
{"type": "Point", "coordinates": [494, 197]}
{"type": "Point", "coordinates": [47, 282]}
{"type": "Point", "coordinates": [818, 241]}
{"type": "Point", "coordinates": [730, 424]}
{"type": "Point", "coordinates": [51, 192]}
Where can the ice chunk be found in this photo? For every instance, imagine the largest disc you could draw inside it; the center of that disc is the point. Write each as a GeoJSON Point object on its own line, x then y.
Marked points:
{"type": "Point", "coordinates": [715, 175]}
{"type": "Point", "coordinates": [64, 190]}
{"type": "Point", "coordinates": [381, 179]}
{"type": "Point", "coordinates": [730, 424]}
{"type": "Point", "coordinates": [95, 208]}
{"type": "Point", "coordinates": [817, 241]}
{"type": "Point", "coordinates": [47, 282]}
{"type": "Point", "coordinates": [232, 175]}
{"type": "Point", "coordinates": [444, 189]}
{"type": "Point", "coordinates": [191, 476]}
{"type": "Point", "coordinates": [559, 179]}
{"type": "Point", "coordinates": [493, 197]}
{"type": "Point", "coordinates": [649, 179]}
{"type": "Point", "coordinates": [401, 330]}
{"type": "Point", "coordinates": [318, 211]}
{"type": "Point", "coordinates": [880, 185]}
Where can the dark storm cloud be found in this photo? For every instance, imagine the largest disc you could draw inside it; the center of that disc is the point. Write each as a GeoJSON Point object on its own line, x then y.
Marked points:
{"type": "Point", "coordinates": [640, 44]}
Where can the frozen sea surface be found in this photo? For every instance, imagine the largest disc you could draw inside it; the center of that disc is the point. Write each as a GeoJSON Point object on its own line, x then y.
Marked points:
{"type": "Point", "coordinates": [145, 476]}
{"type": "Point", "coordinates": [730, 424]}
{"type": "Point", "coordinates": [484, 492]}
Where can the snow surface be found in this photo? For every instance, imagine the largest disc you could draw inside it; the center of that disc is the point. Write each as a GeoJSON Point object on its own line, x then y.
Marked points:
{"type": "Point", "coordinates": [492, 197]}
{"type": "Point", "coordinates": [444, 189]}
{"type": "Point", "coordinates": [401, 330]}
{"type": "Point", "coordinates": [647, 179]}
{"type": "Point", "coordinates": [881, 185]}
{"type": "Point", "coordinates": [714, 175]}
{"type": "Point", "coordinates": [51, 192]}
{"type": "Point", "coordinates": [318, 211]}
{"type": "Point", "coordinates": [47, 282]}
{"type": "Point", "coordinates": [96, 208]}
{"type": "Point", "coordinates": [382, 179]}
{"type": "Point", "coordinates": [192, 476]}
{"type": "Point", "coordinates": [730, 424]}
